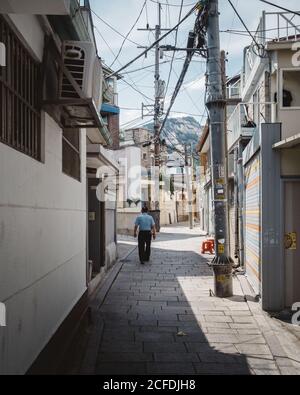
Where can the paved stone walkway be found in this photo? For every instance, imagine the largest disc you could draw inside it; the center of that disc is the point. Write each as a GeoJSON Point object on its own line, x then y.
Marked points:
{"type": "Point", "coordinates": [160, 319]}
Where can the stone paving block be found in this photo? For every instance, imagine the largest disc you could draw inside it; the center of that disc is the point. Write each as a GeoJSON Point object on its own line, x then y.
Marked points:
{"type": "Point", "coordinates": [216, 318]}
{"type": "Point", "coordinates": [160, 368]}
{"type": "Point", "coordinates": [139, 297]}
{"type": "Point", "coordinates": [198, 347]}
{"type": "Point", "coordinates": [158, 347]}
{"type": "Point", "coordinates": [221, 369]}
{"type": "Point", "coordinates": [143, 311]}
{"type": "Point", "coordinates": [266, 372]}
{"type": "Point", "coordinates": [176, 357]}
{"type": "Point", "coordinates": [226, 349]}
{"type": "Point", "coordinates": [210, 312]}
{"type": "Point", "coordinates": [154, 336]}
{"type": "Point", "coordinates": [158, 329]}
{"type": "Point", "coordinates": [253, 349]}
{"type": "Point", "coordinates": [164, 298]}
{"type": "Point", "coordinates": [238, 313]}
{"type": "Point", "coordinates": [222, 338]}
{"type": "Point", "coordinates": [191, 317]}
{"type": "Point", "coordinates": [259, 362]}
{"type": "Point", "coordinates": [209, 325]}
{"type": "Point", "coordinates": [125, 368]}
{"type": "Point", "coordinates": [143, 322]}
{"type": "Point", "coordinates": [244, 320]}
{"type": "Point", "coordinates": [152, 303]}
{"type": "Point", "coordinates": [177, 309]}
{"type": "Point", "coordinates": [226, 331]}
{"type": "Point", "coordinates": [121, 346]}
{"type": "Point", "coordinates": [199, 337]}
{"type": "Point", "coordinates": [125, 357]}
{"type": "Point", "coordinates": [289, 371]}
{"type": "Point", "coordinates": [109, 337]}
{"type": "Point", "coordinates": [216, 357]}
{"type": "Point", "coordinates": [243, 326]}
{"type": "Point", "coordinates": [163, 316]}
{"type": "Point", "coordinates": [255, 339]}
{"type": "Point", "coordinates": [178, 304]}
{"type": "Point", "coordinates": [247, 331]}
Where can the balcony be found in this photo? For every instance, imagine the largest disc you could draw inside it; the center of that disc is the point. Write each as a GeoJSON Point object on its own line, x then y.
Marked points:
{"type": "Point", "coordinates": [41, 7]}
{"type": "Point", "coordinates": [275, 30]}
{"type": "Point", "coordinates": [245, 120]}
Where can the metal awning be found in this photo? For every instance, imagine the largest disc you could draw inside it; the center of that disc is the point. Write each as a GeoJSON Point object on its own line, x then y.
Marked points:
{"type": "Point", "coordinates": [109, 108]}
{"type": "Point", "coordinates": [290, 142]}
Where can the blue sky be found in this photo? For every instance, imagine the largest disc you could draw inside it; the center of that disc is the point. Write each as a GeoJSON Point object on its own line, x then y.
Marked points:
{"type": "Point", "coordinates": [121, 14]}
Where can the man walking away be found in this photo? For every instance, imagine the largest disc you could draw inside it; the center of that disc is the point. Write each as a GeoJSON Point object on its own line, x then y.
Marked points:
{"type": "Point", "coordinates": [146, 226]}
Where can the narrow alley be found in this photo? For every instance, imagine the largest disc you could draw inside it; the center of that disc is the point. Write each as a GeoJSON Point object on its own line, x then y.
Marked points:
{"type": "Point", "coordinates": [162, 126]}
{"type": "Point", "coordinates": [159, 318]}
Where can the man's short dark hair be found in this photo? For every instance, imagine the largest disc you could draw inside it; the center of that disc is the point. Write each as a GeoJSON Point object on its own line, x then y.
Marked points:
{"type": "Point", "coordinates": [145, 209]}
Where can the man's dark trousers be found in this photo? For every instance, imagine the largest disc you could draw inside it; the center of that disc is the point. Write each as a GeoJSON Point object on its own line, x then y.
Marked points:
{"type": "Point", "coordinates": [145, 245]}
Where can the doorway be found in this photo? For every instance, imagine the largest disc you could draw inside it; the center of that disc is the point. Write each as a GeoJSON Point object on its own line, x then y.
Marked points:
{"type": "Point", "coordinates": [291, 242]}
{"type": "Point", "coordinates": [96, 230]}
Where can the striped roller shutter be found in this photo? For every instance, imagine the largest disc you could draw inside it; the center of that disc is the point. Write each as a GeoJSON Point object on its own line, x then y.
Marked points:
{"type": "Point", "coordinates": [252, 222]}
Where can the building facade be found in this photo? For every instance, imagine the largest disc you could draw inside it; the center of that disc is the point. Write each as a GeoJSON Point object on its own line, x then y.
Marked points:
{"type": "Point", "coordinates": [265, 126]}
{"type": "Point", "coordinates": [49, 119]}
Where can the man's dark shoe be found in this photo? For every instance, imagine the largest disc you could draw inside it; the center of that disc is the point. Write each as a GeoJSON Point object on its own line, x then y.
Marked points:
{"type": "Point", "coordinates": [142, 263]}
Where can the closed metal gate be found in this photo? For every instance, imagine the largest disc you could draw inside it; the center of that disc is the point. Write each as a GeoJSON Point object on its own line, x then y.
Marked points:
{"type": "Point", "coordinates": [252, 222]}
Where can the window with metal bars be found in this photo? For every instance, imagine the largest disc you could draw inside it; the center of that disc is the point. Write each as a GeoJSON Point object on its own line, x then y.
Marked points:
{"type": "Point", "coordinates": [20, 114]}
{"type": "Point", "coordinates": [71, 153]}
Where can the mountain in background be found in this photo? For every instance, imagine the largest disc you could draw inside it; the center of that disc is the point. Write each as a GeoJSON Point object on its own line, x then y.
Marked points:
{"type": "Point", "coordinates": [180, 131]}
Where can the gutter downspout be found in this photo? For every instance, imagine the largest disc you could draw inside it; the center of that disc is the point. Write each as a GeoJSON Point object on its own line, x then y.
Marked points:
{"type": "Point", "coordinates": [236, 205]}
{"type": "Point", "coordinates": [240, 179]}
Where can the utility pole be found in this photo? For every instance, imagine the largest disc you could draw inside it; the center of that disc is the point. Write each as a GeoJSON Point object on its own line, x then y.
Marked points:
{"type": "Point", "coordinates": [157, 110]}
{"type": "Point", "coordinates": [158, 106]}
{"type": "Point", "coordinates": [216, 103]}
{"type": "Point", "coordinates": [188, 171]}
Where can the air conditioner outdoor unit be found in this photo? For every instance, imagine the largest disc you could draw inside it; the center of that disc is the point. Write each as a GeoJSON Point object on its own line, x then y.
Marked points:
{"type": "Point", "coordinates": [80, 58]}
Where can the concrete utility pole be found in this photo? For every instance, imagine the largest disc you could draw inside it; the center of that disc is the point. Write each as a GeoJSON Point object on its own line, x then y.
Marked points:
{"type": "Point", "coordinates": [158, 107]}
{"type": "Point", "coordinates": [157, 110]}
{"type": "Point", "coordinates": [216, 103]}
{"type": "Point", "coordinates": [188, 171]}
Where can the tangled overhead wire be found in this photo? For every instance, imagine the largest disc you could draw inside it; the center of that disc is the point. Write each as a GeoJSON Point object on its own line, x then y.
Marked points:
{"type": "Point", "coordinates": [197, 44]}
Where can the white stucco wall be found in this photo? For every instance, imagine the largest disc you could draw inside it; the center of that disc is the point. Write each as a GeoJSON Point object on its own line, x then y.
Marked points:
{"type": "Point", "coordinates": [42, 248]}
{"type": "Point", "coordinates": [42, 236]}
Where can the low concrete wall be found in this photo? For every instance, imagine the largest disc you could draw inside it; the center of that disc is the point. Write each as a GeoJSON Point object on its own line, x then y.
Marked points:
{"type": "Point", "coordinates": [125, 221]}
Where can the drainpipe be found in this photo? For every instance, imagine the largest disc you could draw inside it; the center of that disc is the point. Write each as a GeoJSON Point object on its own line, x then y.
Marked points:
{"type": "Point", "coordinates": [240, 178]}
{"type": "Point", "coordinates": [236, 205]}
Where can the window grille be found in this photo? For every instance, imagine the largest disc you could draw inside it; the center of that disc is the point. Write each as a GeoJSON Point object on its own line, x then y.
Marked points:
{"type": "Point", "coordinates": [20, 115]}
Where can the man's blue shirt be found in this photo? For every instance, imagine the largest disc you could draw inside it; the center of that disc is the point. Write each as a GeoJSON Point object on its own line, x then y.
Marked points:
{"type": "Point", "coordinates": [145, 222]}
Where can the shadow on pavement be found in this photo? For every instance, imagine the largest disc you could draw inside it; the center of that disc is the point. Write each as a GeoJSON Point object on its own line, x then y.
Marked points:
{"type": "Point", "coordinates": [159, 319]}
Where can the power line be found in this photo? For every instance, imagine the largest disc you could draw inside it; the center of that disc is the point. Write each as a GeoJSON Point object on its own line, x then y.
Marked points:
{"type": "Point", "coordinates": [173, 5]}
{"type": "Point", "coordinates": [172, 112]}
{"type": "Point", "coordinates": [280, 7]}
{"type": "Point", "coordinates": [133, 86]}
{"type": "Point", "coordinates": [191, 45]}
{"type": "Point", "coordinates": [127, 35]}
{"type": "Point", "coordinates": [258, 49]}
{"type": "Point", "coordinates": [176, 40]}
{"type": "Point", "coordinates": [113, 29]}
{"type": "Point", "coordinates": [156, 42]}
{"type": "Point", "coordinates": [243, 23]}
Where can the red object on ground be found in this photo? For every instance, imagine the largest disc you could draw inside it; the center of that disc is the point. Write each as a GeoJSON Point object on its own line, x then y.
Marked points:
{"type": "Point", "coordinates": [208, 246]}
